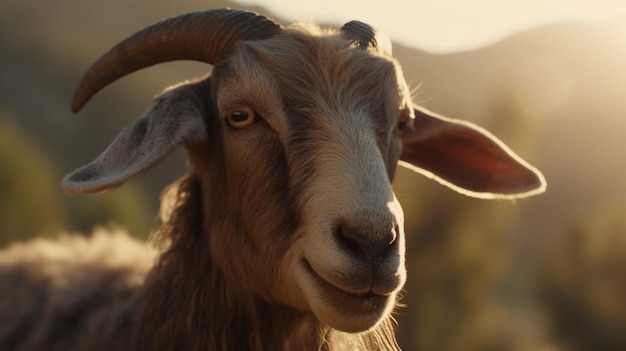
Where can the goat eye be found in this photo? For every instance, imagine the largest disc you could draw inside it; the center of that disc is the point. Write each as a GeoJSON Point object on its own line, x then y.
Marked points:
{"type": "Point", "coordinates": [242, 118]}
{"type": "Point", "coordinates": [404, 122]}
{"type": "Point", "coordinates": [400, 126]}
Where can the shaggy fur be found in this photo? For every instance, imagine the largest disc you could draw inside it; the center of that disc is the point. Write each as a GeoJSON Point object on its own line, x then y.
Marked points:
{"type": "Point", "coordinates": [187, 288]}
{"type": "Point", "coordinates": [79, 293]}
{"type": "Point", "coordinates": [214, 285]}
{"type": "Point", "coordinates": [284, 235]}
{"type": "Point", "coordinates": [74, 293]}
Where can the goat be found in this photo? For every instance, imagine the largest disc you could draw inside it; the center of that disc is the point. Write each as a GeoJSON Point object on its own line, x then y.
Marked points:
{"type": "Point", "coordinates": [285, 234]}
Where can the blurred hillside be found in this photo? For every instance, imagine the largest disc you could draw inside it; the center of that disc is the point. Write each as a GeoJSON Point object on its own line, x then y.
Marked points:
{"type": "Point", "coordinates": [547, 273]}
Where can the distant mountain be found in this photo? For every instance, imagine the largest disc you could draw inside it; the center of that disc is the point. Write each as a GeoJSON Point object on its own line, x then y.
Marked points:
{"type": "Point", "coordinates": [572, 76]}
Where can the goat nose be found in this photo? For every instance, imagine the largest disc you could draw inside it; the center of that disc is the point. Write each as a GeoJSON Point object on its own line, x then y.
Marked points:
{"type": "Point", "coordinates": [360, 242]}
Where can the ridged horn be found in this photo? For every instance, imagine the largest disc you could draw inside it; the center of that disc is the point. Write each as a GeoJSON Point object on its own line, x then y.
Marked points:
{"type": "Point", "coordinates": [206, 36]}
{"type": "Point", "coordinates": [363, 35]}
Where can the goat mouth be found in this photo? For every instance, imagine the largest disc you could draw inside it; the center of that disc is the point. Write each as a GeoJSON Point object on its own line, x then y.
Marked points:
{"type": "Point", "coordinates": [345, 301]}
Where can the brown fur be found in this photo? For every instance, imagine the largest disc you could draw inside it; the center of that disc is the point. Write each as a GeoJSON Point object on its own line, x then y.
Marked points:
{"type": "Point", "coordinates": [190, 304]}
{"type": "Point", "coordinates": [283, 232]}
{"type": "Point", "coordinates": [80, 293]}
{"type": "Point", "coordinates": [74, 293]}
{"type": "Point", "coordinates": [219, 283]}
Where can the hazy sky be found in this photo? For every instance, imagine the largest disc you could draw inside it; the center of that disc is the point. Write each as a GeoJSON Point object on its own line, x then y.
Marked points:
{"type": "Point", "coordinates": [445, 25]}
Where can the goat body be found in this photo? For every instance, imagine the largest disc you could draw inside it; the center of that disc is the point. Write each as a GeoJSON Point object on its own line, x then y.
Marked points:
{"type": "Point", "coordinates": [72, 293]}
{"type": "Point", "coordinates": [285, 234]}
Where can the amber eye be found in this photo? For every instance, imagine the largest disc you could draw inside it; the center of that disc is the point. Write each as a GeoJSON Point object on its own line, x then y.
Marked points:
{"type": "Point", "coordinates": [242, 118]}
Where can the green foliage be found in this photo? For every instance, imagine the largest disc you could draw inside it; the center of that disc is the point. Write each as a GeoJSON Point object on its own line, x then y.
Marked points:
{"type": "Point", "coordinates": [124, 207]}
{"type": "Point", "coordinates": [32, 203]}
{"type": "Point", "coordinates": [456, 261]}
{"type": "Point", "coordinates": [584, 283]}
{"type": "Point", "coordinates": [29, 196]}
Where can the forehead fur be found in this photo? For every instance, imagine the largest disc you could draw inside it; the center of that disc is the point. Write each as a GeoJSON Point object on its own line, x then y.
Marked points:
{"type": "Point", "coordinates": [309, 67]}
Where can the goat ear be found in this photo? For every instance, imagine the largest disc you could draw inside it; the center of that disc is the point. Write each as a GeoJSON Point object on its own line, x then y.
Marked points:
{"type": "Point", "coordinates": [467, 158]}
{"type": "Point", "coordinates": [175, 118]}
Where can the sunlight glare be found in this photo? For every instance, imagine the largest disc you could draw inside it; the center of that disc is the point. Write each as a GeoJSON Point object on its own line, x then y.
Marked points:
{"type": "Point", "coordinates": [447, 25]}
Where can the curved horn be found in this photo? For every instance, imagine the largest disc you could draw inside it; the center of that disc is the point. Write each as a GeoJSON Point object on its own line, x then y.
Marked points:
{"type": "Point", "coordinates": [206, 36]}
{"type": "Point", "coordinates": [364, 35]}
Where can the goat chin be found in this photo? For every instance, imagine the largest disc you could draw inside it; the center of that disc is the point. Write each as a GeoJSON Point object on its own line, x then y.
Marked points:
{"type": "Point", "coordinates": [342, 310]}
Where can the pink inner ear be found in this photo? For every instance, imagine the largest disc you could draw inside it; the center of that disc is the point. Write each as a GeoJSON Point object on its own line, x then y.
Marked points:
{"type": "Point", "coordinates": [467, 157]}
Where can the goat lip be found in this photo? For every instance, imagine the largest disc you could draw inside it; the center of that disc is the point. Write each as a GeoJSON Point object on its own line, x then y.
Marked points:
{"type": "Point", "coordinates": [347, 301]}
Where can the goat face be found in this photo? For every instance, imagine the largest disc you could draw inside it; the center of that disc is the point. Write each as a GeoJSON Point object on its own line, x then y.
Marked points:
{"type": "Point", "coordinates": [323, 146]}
{"type": "Point", "coordinates": [296, 138]}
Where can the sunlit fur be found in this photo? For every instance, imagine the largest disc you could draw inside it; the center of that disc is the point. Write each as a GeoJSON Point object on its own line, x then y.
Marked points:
{"type": "Point", "coordinates": [272, 194]}
{"type": "Point", "coordinates": [189, 303]}
{"type": "Point", "coordinates": [261, 207]}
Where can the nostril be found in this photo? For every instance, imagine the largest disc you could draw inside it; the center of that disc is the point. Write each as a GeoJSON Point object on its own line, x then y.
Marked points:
{"type": "Point", "coordinates": [370, 245]}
